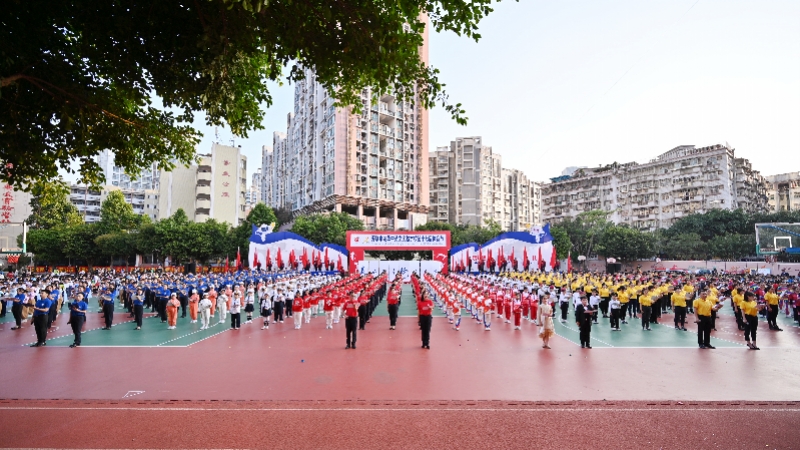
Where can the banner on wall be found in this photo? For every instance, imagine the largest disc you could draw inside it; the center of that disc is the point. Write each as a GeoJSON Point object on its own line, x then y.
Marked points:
{"type": "Point", "coordinates": [513, 251]}
{"type": "Point", "coordinates": [359, 242]}
{"type": "Point", "coordinates": [285, 250]}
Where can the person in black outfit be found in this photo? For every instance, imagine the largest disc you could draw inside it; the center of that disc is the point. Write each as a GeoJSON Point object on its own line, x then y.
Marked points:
{"type": "Point", "coordinates": [184, 299]}
{"type": "Point", "coordinates": [583, 315]}
{"type": "Point", "coordinates": [137, 300]}
{"type": "Point", "coordinates": [77, 316]}
{"type": "Point", "coordinates": [362, 311]}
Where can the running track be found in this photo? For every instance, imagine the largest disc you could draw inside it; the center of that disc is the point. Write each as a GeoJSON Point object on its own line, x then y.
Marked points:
{"type": "Point", "coordinates": [284, 388]}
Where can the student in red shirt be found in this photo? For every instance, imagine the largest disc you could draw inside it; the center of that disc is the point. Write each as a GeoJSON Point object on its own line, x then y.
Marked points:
{"type": "Point", "coordinates": [297, 311]}
{"type": "Point", "coordinates": [351, 319]}
{"type": "Point", "coordinates": [425, 306]}
{"type": "Point", "coordinates": [391, 300]}
{"type": "Point", "coordinates": [327, 307]}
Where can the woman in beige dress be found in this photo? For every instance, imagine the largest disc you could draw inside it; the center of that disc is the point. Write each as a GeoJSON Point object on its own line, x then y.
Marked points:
{"type": "Point", "coordinates": [544, 317]}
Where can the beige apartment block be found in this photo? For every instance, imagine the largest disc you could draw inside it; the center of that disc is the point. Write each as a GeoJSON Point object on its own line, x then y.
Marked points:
{"type": "Point", "coordinates": [682, 181]}
{"type": "Point", "coordinates": [783, 192]}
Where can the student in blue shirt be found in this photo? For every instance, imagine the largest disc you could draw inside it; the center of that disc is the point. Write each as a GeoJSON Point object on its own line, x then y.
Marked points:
{"type": "Point", "coordinates": [108, 308]}
{"type": "Point", "coordinates": [138, 307]}
{"type": "Point", "coordinates": [16, 308]}
{"type": "Point", "coordinates": [77, 317]}
{"type": "Point", "coordinates": [41, 310]}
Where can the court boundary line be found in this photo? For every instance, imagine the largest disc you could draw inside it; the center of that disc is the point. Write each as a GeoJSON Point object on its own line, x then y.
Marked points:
{"type": "Point", "coordinates": [539, 409]}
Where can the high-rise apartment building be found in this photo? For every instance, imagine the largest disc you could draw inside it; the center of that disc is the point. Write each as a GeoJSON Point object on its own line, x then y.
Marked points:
{"type": "Point", "coordinates": [215, 188]}
{"type": "Point", "coordinates": [682, 181]}
{"type": "Point", "coordinates": [468, 186]}
{"type": "Point", "coordinates": [254, 191]}
{"type": "Point", "coordinates": [783, 192]}
{"type": "Point", "coordinates": [115, 176]}
{"type": "Point", "coordinates": [373, 165]}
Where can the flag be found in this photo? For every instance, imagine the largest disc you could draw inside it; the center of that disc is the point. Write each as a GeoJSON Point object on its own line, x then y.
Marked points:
{"type": "Point", "coordinates": [269, 261]}
{"type": "Point", "coordinates": [481, 261]}
{"type": "Point", "coordinates": [238, 259]}
{"type": "Point", "coordinates": [339, 264]}
{"type": "Point", "coordinates": [553, 258]}
{"type": "Point", "coordinates": [525, 263]}
{"type": "Point", "coordinates": [569, 261]}
{"type": "Point", "coordinates": [489, 260]}
{"type": "Point", "coordinates": [513, 260]}
{"type": "Point", "coordinates": [304, 259]}
{"type": "Point", "coordinates": [292, 259]}
{"type": "Point", "coordinates": [279, 259]}
{"type": "Point", "coordinates": [328, 262]}
{"type": "Point", "coordinates": [255, 260]}
{"type": "Point", "coordinates": [501, 259]}
{"type": "Point", "coordinates": [541, 260]}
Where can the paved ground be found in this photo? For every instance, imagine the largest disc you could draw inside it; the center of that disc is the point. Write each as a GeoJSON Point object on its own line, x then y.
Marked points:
{"type": "Point", "coordinates": [398, 424]}
{"type": "Point", "coordinates": [440, 394]}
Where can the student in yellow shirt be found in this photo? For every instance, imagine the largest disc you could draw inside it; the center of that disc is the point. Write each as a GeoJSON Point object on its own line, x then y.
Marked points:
{"type": "Point", "coordinates": [750, 309]}
{"type": "Point", "coordinates": [622, 293]}
{"type": "Point", "coordinates": [646, 303]}
{"type": "Point", "coordinates": [772, 313]}
{"type": "Point", "coordinates": [678, 301]}
{"type": "Point", "coordinates": [737, 296]}
{"type": "Point", "coordinates": [702, 312]}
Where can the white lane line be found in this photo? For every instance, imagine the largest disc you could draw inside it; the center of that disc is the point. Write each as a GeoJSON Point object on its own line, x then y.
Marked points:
{"type": "Point", "coordinates": [541, 409]}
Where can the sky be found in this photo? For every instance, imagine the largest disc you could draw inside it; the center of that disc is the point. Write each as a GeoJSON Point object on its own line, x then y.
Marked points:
{"type": "Point", "coordinates": [584, 83]}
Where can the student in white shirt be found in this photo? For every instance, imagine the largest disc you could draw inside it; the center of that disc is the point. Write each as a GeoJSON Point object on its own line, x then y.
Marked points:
{"type": "Point", "coordinates": [236, 311]}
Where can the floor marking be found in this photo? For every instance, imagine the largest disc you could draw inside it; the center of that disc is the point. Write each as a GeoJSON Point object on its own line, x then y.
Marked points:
{"type": "Point", "coordinates": [590, 337]}
{"type": "Point", "coordinates": [541, 409]}
{"type": "Point", "coordinates": [207, 337]}
{"type": "Point", "coordinates": [86, 331]}
{"type": "Point", "coordinates": [132, 393]}
{"type": "Point", "coordinates": [186, 335]}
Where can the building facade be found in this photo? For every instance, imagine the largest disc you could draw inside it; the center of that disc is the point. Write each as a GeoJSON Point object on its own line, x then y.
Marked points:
{"type": "Point", "coordinates": [783, 192]}
{"type": "Point", "coordinates": [115, 176]}
{"type": "Point", "coordinates": [254, 191]}
{"type": "Point", "coordinates": [682, 181]}
{"type": "Point", "coordinates": [215, 188]}
{"type": "Point", "coordinates": [88, 201]}
{"type": "Point", "coordinates": [469, 186]}
{"type": "Point", "coordinates": [372, 165]}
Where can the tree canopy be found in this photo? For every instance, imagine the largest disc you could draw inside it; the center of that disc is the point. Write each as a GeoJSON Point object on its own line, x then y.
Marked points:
{"type": "Point", "coordinates": [79, 76]}
{"type": "Point", "coordinates": [332, 227]}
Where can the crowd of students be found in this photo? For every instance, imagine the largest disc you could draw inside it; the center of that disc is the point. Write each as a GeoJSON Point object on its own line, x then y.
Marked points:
{"type": "Point", "coordinates": [510, 297]}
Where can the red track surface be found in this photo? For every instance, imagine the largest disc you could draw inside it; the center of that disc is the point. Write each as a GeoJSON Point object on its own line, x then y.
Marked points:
{"type": "Point", "coordinates": [394, 424]}
{"type": "Point", "coordinates": [473, 389]}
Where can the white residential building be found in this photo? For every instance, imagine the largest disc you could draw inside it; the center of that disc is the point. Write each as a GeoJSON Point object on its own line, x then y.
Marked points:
{"type": "Point", "coordinates": [88, 201]}
{"type": "Point", "coordinates": [682, 181]}
{"type": "Point", "coordinates": [115, 176]}
{"type": "Point", "coordinates": [468, 186]}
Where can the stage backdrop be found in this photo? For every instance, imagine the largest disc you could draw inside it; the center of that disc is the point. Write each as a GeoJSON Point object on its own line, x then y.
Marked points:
{"type": "Point", "coordinates": [512, 250]}
{"type": "Point", "coordinates": [464, 258]}
{"type": "Point", "coordinates": [284, 250]}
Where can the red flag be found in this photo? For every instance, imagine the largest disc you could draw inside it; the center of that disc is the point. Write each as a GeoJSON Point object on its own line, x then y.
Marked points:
{"type": "Point", "coordinates": [541, 260]}
{"type": "Point", "coordinates": [238, 259]}
{"type": "Point", "coordinates": [525, 263]}
{"type": "Point", "coordinates": [327, 261]}
{"type": "Point", "coordinates": [279, 259]}
{"type": "Point", "coordinates": [269, 261]}
{"type": "Point", "coordinates": [304, 258]}
{"type": "Point", "coordinates": [339, 264]}
{"type": "Point", "coordinates": [489, 260]}
{"type": "Point", "coordinates": [513, 260]}
{"type": "Point", "coordinates": [501, 259]}
{"type": "Point", "coordinates": [292, 259]}
{"type": "Point", "coordinates": [553, 258]}
{"type": "Point", "coordinates": [569, 261]}
{"type": "Point", "coordinates": [255, 260]}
